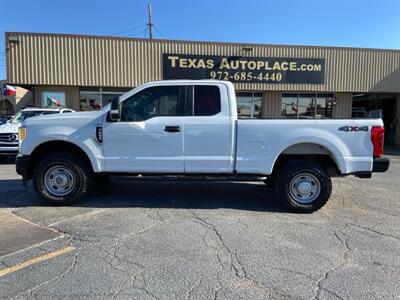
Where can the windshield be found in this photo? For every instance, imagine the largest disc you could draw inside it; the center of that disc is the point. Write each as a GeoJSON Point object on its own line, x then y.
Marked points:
{"type": "Point", "coordinates": [23, 115]}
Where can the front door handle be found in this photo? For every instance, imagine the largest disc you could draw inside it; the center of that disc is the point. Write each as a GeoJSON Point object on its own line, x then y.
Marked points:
{"type": "Point", "coordinates": [172, 129]}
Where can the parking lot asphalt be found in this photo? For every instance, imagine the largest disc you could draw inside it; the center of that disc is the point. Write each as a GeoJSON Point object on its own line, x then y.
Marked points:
{"type": "Point", "coordinates": [200, 240]}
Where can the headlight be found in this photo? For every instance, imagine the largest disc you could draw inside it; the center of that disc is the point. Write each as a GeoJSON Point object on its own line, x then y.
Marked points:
{"type": "Point", "coordinates": [22, 133]}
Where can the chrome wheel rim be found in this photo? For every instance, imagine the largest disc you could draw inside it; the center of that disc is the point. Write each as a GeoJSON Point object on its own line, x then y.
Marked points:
{"type": "Point", "coordinates": [59, 180]}
{"type": "Point", "coordinates": [304, 188]}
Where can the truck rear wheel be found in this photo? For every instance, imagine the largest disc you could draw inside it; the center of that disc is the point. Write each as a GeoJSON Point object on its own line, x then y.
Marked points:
{"type": "Point", "coordinates": [303, 186]}
{"type": "Point", "coordinates": [62, 179]}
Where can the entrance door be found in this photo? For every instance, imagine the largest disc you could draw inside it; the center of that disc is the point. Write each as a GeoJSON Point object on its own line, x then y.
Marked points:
{"type": "Point", "coordinates": [377, 105]}
{"type": "Point", "coordinates": [149, 137]}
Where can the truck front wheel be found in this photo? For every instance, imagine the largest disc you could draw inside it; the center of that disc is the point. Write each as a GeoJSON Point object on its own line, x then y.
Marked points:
{"type": "Point", "coordinates": [303, 186]}
{"type": "Point", "coordinates": [61, 179]}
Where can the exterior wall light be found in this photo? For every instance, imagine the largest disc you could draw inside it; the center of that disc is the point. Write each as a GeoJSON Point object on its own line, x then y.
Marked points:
{"type": "Point", "coordinates": [247, 48]}
{"type": "Point", "coordinates": [13, 39]}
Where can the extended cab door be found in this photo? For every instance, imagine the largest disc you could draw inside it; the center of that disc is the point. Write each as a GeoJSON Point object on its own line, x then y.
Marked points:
{"type": "Point", "coordinates": [149, 136]}
{"type": "Point", "coordinates": [209, 133]}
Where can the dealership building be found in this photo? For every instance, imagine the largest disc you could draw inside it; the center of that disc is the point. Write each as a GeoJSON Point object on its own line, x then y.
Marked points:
{"type": "Point", "coordinates": [271, 81]}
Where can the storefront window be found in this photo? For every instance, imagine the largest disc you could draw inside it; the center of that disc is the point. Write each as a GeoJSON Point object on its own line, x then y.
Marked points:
{"type": "Point", "coordinates": [95, 100]}
{"type": "Point", "coordinates": [107, 97]}
{"type": "Point", "coordinates": [89, 101]}
{"type": "Point", "coordinates": [289, 106]}
{"type": "Point", "coordinates": [53, 99]}
{"type": "Point", "coordinates": [308, 106]}
{"type": "Point", "coordinates": [324, 106]}
{"type": "Point", "coordinates": [249, 105]}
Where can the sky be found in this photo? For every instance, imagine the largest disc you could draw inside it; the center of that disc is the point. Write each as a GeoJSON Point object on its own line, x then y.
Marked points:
{"type": "Point", "coordinates": [349, 23]}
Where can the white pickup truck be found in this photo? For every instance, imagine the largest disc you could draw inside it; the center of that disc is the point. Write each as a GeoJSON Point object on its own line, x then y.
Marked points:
{"type": "Point", "coordinates": [190, 128]}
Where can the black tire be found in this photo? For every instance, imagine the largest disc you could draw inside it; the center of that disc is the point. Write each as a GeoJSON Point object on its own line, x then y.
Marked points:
{"type": "Point", "coordinates": [293, 170]}
{"type": "Point", "coordinates": [81, 173]}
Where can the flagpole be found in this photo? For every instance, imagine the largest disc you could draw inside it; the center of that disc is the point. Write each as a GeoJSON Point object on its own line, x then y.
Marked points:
{"type": "Point", "coordinates": [4, 102]}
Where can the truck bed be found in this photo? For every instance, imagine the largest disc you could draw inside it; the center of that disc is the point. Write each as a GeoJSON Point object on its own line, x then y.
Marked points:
{"type": "Point", "coordinates": [348, 141]}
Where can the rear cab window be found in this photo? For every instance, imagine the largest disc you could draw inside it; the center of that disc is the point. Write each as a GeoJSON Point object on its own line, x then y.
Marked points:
{"type": "Point", "coordinates": [203, 100]}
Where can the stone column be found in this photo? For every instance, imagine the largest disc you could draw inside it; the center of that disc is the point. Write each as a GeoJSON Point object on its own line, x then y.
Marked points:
{"type": "Point", "coordinates": [397, 117]}
{"type": "Point", "coordinates": [343, 107]}
{"type": "Point", "coordinates": [271, 105]}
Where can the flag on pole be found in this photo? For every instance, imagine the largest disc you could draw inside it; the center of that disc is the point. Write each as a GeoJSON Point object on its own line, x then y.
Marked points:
{"type": "Point", "coordinates": [294, 108]}
{"type": "Point", "coordinates": [51, 102]}
{"type": "Point", "coordinates": [9, 90]}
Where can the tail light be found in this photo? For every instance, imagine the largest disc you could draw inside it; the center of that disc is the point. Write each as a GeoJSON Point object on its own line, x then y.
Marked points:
{"type": "Point", "coordinates": [377, 136]}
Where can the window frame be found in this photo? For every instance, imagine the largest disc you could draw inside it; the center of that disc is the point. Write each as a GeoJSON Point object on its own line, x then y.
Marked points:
{"type": "Point", "coordinates": [53, 92]}
{"type": "Point", "coordinates": [190, 100]}
{"type": "Point", "coordinates": [179, 101]}
{"type": "Point", "coordinates": [314, 96]}
{"type": "Point", "coordinates": [253, 115]}
{"type": "Point", "coordinates": [100, 93]}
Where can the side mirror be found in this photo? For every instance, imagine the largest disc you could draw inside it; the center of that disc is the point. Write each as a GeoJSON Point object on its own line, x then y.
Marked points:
{"type": "Point", "coordinates": [114, 110]}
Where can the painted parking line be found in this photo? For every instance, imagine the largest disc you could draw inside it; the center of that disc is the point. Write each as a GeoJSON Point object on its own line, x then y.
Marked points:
{"type": "Point", "coordinates": [35, 260]}
{"type": "Point", "coordinates": [77, 217]}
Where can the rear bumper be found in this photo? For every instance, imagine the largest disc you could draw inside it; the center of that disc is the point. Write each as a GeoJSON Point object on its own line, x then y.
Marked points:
{"type": "Point", "coordinates": [21, 166]}
{"type": "Point", "coordinates": [381, 164]}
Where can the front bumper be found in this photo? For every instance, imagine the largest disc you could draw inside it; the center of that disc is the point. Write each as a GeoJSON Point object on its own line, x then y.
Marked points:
{"type": "Point", "coordinates": [381, 164]}
{"type": "Point", "coordinates": [21, 166]}
{"type": "Point", "coordinates": [9, 150]}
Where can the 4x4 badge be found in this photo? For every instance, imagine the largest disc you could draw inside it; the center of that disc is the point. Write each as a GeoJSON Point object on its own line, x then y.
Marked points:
{"type": "Point", "coordinates": [353, 128]}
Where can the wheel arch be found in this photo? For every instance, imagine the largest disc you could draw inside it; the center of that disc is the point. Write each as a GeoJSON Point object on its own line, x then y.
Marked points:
{"type": "Point", "coordinates": [318, 152]}
{"type": "Point", "coordinates": [57, 146]}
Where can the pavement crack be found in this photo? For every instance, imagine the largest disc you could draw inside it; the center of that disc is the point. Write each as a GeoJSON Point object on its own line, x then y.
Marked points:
{"type": "Point", "coordinates": [344, 240]}
{"type": "Point", "coordinates": [190, 291]}
{"type": "Point", "coordinates": [374, 231]}
{"type": "Point", "coordinates": [146, 292]}
{"type": "Point", "coordinates": [235, 263]}
{"type": "Point", "coordinates": [221, 241]}
{"type": "Point", "coordinates": [31, 291]}
{"type": "Point", "coordinates": [127, 283]}
{"type": "Point", "coordinates": [123, 239]}
{"type": "Point", "coordinates": [294, 272]}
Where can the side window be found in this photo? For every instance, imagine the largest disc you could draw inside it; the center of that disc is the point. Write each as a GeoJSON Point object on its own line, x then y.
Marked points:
{"type": "Point", "coordinates": [207, 100]}
{"type": "Point", "coordinates": [49, 112]}
{"type": "Point", "coordinates": [150, 103]}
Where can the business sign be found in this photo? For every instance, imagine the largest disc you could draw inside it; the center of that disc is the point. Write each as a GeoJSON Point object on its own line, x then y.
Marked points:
{"type": "Point", "coordinates": [244, 69]}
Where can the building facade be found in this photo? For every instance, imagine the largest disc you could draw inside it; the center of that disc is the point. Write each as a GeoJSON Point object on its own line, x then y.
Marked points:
{"type": "Point", "coordinates": [272, 81]}
{"type": "Point", "coordinates": [9, 105]}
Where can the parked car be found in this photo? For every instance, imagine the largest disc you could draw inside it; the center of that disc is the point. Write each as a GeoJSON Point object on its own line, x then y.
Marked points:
{"type": "Point", "coordinates": [190, 128]}
{"type": "Point", "coordinates": [9, 130]}
{"type": "Point", "coordinates": [361, 113]}
{"type": "Point", "coordinates": [3, 120]}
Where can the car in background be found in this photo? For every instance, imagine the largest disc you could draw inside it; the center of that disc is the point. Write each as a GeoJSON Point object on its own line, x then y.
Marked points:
{"type": "Point", "coordinates": [363, 113]}
{"type": "Point", "coordinates": [3, 120]}
{"type": "Point", "coordinates": [9, 130]}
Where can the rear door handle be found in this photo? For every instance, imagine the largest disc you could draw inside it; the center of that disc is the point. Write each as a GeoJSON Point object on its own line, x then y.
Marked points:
{"type": "Point", "coordinates": [172, 129]}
